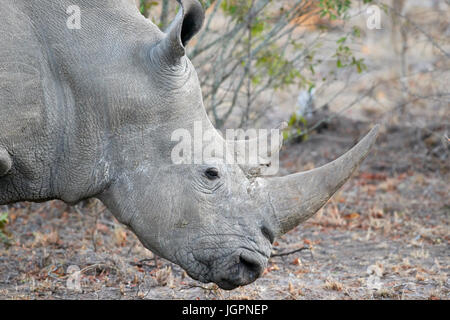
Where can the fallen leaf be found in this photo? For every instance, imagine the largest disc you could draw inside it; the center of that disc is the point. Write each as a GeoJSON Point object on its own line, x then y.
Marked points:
{"type": "Point", "coordinates": [102, 228]}
{"type": "Point", "coordinates": [353, 215]}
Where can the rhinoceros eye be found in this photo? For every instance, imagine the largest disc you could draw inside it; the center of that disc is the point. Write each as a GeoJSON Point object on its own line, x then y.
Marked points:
{"type": "Point", "coordinates": [212, 173]}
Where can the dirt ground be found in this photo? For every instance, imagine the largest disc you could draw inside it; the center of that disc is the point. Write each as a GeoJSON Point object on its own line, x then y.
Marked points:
{"type": "Point", "coordinates": [384, 235]}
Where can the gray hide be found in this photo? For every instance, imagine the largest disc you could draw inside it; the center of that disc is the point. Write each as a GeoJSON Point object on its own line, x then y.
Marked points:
{"type": "Point", "coordinates": [89, 113]}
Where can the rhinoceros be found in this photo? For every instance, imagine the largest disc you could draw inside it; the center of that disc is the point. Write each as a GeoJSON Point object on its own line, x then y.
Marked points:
{"type": "Point", "coordinates": [88, 112]}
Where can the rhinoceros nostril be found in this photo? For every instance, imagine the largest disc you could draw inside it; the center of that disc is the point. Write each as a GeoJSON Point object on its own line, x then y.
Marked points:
{"type": "Point", "coordinates": [245, 269]}
{"type": "Point", "coordinates": [251, 268]}
{"type": "Point", "coordinates": [267, 233]}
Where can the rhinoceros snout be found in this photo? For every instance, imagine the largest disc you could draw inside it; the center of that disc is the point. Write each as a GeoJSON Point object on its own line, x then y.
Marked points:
{"type": "Point", "coordinates": [246, 269]}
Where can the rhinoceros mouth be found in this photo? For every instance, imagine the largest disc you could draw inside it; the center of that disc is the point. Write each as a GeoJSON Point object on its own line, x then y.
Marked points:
{"type": "Point", "coordinates": [228, 285]}
{"type": "Point", "coordinates": [237, 268]}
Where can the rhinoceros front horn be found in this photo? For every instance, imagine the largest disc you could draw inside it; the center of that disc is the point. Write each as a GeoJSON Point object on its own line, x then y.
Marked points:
{"type": "Point", "coordinates": [295, 198]}
{"type": "Point", "coordinates": [187, 23]}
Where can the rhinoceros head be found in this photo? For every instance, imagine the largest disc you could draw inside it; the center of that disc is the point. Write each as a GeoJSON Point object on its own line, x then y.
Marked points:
{"type": "Point", "coordinates": [212, 218]}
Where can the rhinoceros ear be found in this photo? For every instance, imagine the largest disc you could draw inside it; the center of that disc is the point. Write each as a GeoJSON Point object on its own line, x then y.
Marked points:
{"type": "Point", "coordinates": [187, 23]}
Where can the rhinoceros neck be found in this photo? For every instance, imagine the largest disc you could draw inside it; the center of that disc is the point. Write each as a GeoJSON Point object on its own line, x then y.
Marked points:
{"type": "Point", "coordinates": [61, 97]}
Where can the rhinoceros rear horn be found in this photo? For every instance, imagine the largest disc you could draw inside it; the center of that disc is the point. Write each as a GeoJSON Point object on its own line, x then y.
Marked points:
{"type": "Point", "coordinates": [187, 23]}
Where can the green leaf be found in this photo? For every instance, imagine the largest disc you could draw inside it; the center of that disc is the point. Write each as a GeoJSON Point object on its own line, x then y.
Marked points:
{"type": "Point", "coordinates": [356, 32]}
{"type": "Point", "coordinates": [292, 120]}
{"type": "Point", "coordinates": [342, 40]}
{"type": "Point", "coordinates": [3, 218]}
{"type": "Point", "coordinates": [257, 28]}
{"type": "Point", "coordinates": [256, 80]}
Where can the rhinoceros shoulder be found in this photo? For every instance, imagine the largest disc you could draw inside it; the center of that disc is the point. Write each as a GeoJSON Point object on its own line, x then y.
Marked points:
{"type": "Point", "coordinates": [24, 75]}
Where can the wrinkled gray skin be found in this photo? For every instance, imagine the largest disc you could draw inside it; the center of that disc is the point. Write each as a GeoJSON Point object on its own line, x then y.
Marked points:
{"type": "Point", "coordinates": [90, 113]}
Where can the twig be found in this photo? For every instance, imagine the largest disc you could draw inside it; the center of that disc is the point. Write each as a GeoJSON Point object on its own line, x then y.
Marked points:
{"type": "Point", "coordinates": [331, 117]}
{"type": "Point", "coordinates": [282, 254]}
{"type": "Point", "coordinates": [131, 248]}
{"type": "Point", "coordinates": [421, 30]}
